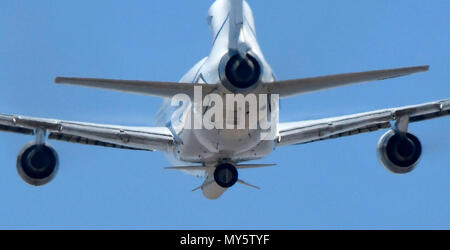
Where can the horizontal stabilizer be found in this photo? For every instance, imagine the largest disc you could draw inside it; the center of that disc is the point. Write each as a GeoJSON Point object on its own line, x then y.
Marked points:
{"type": "Point", "coordinates": [187, 168]}
{"type": "Point", "coordinates": [160, 89]}
{"type": "Point", "coordinates": [306, 85]}
{"type": "Point", "coordinates": [245, 166]}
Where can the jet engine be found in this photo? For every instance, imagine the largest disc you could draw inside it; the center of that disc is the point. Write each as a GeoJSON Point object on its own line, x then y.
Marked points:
{"type": "Point", "coordinates": [37, 164]}
{"type": "Point", "coordinates": [399, 152]}
{"type": "Point", "coordinates": [239, 73]}
{"type": "Point", "coordinates": [225, 176]}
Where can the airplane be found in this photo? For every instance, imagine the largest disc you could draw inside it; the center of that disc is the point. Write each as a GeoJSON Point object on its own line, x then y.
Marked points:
{"type": "Point", "coordinates": [235, 66]}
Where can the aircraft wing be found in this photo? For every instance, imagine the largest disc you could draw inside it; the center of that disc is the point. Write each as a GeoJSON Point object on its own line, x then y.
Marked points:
{"type": "Point", "coordinates": [135, 138]}
{"type": "Point", "coordinates": [309, 131]}
{"type": "Point", "coordinates": [306, 85]}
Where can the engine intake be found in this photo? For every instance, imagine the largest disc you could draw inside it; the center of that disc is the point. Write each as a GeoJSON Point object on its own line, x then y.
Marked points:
{"type": "Point", "coordinates": [240, 73]}
{"type": "Point", "coordinates": [37, 164]}
{"type": "Point", "coordinates": [225, 175]}
{"type": "Point", "coordinates": [399, 153]}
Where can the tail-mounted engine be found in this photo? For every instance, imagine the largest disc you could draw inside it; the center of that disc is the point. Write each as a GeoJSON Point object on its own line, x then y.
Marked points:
{"type": "Point", "coordinates": [240, 73]}
{"type": "Point", "coordinates": [399, 152]}
{"type": "Point", "coordinates": [37, 164]}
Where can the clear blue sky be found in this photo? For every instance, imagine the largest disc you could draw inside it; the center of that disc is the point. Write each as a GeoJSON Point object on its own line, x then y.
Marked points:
{"type": "Point", "coordinates": [331, 184]}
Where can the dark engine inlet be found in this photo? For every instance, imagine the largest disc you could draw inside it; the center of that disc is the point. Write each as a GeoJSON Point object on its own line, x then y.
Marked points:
{"type": "Point", "coordinates": [37, 164]}
{"type": "Point", "coordinates": [242, 73]}
{"type": "Point", "coordinates": [226, 175]}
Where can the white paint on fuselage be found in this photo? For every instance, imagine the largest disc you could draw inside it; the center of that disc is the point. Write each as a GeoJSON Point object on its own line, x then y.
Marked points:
{"type": "Point", "coordinates": [210, 146]}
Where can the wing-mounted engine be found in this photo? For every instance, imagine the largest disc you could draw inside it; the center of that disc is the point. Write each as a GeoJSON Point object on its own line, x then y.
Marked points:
{"type": "Point", "coordinates": [398, 150]}
{"type": "Point", "coordinates": [37, 164]}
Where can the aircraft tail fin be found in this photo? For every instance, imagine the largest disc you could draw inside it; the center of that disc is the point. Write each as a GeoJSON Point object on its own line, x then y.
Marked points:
{"type": "Point", "coordinates": [236, 22]}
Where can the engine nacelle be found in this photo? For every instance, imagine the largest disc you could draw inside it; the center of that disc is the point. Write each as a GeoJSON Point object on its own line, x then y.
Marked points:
{"type": "Point", "coordinates": [399, 153]}
{"type": "Point", "coordinates": [37, 164]}
{"type": "Point", "coordinates": [225, 176]}
{"type": "Point", "coordinates": [240, 73]}
{"type": "Point", "coordinates": [212, 190]}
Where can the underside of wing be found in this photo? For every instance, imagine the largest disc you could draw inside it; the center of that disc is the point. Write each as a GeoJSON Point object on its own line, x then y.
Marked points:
{"type": "Point", "coordinates": [315, 130]}
{"type": "Point", "coordinates": [136, 138]}
{"type": "Point", "coordinates": [37, 163]}
{"type": "Point", "coordinates": [306, 85]}
{"type": "Point", "coordinates": [87, 141]}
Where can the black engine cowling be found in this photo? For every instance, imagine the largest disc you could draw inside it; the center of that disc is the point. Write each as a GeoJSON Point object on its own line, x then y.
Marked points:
{"type": "Point", "coordinates": [399, 152]}
{"type": "Point", "coordinates": [37, 164]}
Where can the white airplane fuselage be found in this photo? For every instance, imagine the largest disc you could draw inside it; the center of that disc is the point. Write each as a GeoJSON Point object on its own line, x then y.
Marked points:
{"type": "Point", "coordinates": [225, 111]}
{"type": "Point", "coordinates": [233, 33]}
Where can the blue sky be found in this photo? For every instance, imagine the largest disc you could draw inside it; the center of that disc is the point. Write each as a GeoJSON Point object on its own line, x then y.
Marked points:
{"type": "Point", "coordinates": [331, 184]}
